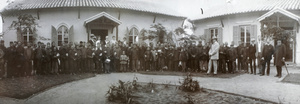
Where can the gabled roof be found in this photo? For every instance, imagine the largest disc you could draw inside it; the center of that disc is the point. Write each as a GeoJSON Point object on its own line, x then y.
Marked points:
{"type": "Point", "coordinates": [222, 8]}
{"type": "Point", "coordinates": [279, 10]}
{"type": "Point", "coordinates": [102, 14]}
{"type": "Point", "coordinates": [136, 5]}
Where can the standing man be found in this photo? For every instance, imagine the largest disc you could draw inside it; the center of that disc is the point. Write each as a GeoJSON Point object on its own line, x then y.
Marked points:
{"type": "Point", "coordinates": [279, 55]}
{"type": "Point", "coordinates": [231, 57]}
{"type": "Point", "coordinates": [267, 53]}
{"type": "Point", "coordinates": [222, 58]}
{"type": "Point", "coordinates": [240, 58]}
{"type": "Point", "coordinates": [252, 57]}
{"type": "Point", "coordinates": [28, 54]}
{"type": "Point", "coordinates": [214, 56]}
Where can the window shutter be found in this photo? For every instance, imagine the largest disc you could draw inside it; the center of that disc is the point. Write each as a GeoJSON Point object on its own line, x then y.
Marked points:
{"type": "Point", "coordinates": [127, 36]}
{"type": "Point", "coordinates": [253, 32]}
{"type": "Point", "coordinates": [71, 34]}
{"type": "Point", "coordinates": [54, 35]}
{"type": "Point", "coordinates": [220, 35]}
{"type": "Point", "coordinates": [207, 35]}
{"type": "Point", "coordinates": [236, 35]}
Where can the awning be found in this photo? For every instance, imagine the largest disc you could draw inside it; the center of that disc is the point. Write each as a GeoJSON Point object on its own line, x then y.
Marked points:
{"type": "Point", "coordinates": [282, 11]}
{"type": "Point", "coordinates": [102, 14]}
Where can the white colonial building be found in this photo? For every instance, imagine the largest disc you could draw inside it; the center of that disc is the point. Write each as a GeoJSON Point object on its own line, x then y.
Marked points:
{"type": "Point", "coordinates": [241, 20]}
{"type": "Point", "coordinates": [65, 21]}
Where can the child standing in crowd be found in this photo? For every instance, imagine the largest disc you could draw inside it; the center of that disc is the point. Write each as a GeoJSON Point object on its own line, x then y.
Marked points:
{"type": "Point", "coordinates": [123, 62]}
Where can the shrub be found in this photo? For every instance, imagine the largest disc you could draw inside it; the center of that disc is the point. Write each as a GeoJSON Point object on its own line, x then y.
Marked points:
{"type": "Point", "coordinates": [189, 84]}
{"type": "Point", "coordinates": [122, 92]}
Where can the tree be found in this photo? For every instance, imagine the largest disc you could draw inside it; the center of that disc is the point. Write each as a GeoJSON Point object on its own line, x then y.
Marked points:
{"type": "Point", "coordinates": [25, 22]}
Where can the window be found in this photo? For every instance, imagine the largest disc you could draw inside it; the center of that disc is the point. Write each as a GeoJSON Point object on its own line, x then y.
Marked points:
{"type": "Point", "coordinates": [27, 36]}
{"type": "Point", "coordinates": [213, 32]}
{"type": "Point", "coordinates": [133, 35]}
{"type": "Point", "coordinates": [245, 34]}
{"type": "Point", "coordinates": [62, 35]}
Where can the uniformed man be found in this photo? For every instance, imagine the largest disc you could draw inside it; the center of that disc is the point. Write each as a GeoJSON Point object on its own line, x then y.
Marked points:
{"type": "Point", "coordinates": [10, 57]}
{"type": "Point", "coordinates": [29, 55]}
{"type": "Point", "coordinates": [39, 55]}
{"type": "Point", "coordinates": [231, 57]}
{"type": "Point", "coordinates": [90, 55]}
{"type": "Point", "coordinates": [48, 57]}
{"type": "Point", "coordinates": [83, 62]}
{"type": "Point", "coordinates": [193, 52]}
{"type": "Point", "coordinates": [54, 59]}
{"type": "Point", "coordinates": [240, 59]}
{"type": "Point", "coordinates": [252, 57]}
{"type": "Point", "coordinates": [107, 58]}
{"type": "Point", "coordinates": [169, 57]}
{"type": "Point", "coordinates": [267, 53]}
{"type": "Point", "coordinates": [98, 58]}
{"type": "Point", "coordinates": [222, 58]}
{"type": "Point", "coordinates": [73, 56]}
{"type": "Point", "coordinates": [117, 52]}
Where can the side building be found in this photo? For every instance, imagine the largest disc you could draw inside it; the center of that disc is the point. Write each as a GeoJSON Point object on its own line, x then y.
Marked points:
{"type": "Point", "coordinates": [242, 20]}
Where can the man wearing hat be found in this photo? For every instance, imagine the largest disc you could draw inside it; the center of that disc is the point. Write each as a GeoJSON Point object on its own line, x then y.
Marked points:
{"type": "Point", "coordinates": [214, 56]}
{"type": "Point", "coordinates": [252, 57]}
{"type": "Point", "coordinates": [10, 57]}
{"type": "Point", "coordinates": [279, 55]}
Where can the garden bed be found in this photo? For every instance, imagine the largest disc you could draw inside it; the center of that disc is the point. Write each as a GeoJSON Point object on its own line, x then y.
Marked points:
{"type": "Point", "coordinates": [195, 74]}
{"type": "Point", "coordinates": [24, 87]}
{"type": "Point", "coordinates": [172, 95]}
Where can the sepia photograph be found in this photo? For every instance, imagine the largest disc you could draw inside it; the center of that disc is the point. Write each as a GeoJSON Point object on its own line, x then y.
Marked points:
{"type": "Point", "coordinates": [149, 52]}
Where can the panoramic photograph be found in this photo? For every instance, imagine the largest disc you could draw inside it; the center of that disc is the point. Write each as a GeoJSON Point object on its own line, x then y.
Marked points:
{"type": "Point", "coordinates": [149, 52]}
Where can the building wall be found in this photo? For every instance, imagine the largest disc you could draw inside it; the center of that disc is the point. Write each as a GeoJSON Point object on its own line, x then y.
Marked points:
{"type": "Point", "coordinates": [69, 17]}
{"type": "Point", "coordinates": [228, 23]}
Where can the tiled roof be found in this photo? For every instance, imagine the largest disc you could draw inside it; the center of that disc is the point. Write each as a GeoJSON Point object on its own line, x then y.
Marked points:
{"type": "Point", "coordinates": [245, 6]}
{"type": "Point", "coordinates": [137, 5]}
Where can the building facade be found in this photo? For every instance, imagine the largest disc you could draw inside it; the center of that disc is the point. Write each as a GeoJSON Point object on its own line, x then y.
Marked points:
{"type": "Point", "coordinates": [242, 20]}
{"type": "Point", "coordinates": [63, 21]}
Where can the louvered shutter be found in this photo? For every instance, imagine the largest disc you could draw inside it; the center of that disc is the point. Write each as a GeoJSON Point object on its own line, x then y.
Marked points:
{"type": "Point", "coordinates": [54, 35]}
{"type": "Point", "coordinates": [71, 34]}
{"type": "Point", "coordinates": [236, 35]}
{"type": "Point", "coordinates": [220, 35]}
{"type": "Point", "coordinates": [207, 35]}
{"type": "Point", "coordinates": [253, 32]}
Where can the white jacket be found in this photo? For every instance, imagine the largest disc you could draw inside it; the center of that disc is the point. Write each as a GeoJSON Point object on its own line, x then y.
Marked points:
{"type": "Point", "coordinates": [214, 51]}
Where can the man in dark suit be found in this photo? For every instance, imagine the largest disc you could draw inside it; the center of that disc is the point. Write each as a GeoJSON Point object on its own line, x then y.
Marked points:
{"type": "Point", "coordinates": [252, 57]}
{"type": "Point", "coordinates": [10, 57]}
{"type": "Point", "coordinates": [267, 53]}
{"type": "Point", "coordinates": [280, 52]}
{"type": "Point", "coordinates": [231, 53]}
{"type": "Point", "coordinates": [239, 48]}
{"type": "Point", "coordinates": [222, 59]}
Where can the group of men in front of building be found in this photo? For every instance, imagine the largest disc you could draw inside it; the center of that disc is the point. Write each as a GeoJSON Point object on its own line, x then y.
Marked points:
{"type": "Point", "coordinates": [117, 56]}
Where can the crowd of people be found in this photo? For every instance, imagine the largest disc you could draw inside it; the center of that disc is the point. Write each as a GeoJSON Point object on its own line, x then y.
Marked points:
{"type": "Point", "coordinates": [120, 56]}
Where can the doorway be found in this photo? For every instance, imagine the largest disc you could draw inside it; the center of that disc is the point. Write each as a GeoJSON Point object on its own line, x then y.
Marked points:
{"type": "Point", "coordinates": [102, 33]}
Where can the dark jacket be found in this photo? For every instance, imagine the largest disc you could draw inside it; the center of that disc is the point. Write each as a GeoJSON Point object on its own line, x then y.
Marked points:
{"type": "Point", "coordinates": [267, 52]}
{"type": "Point", "coordinates": [252, 51]}
{"type": "Point", "coordinates": [280, 52]}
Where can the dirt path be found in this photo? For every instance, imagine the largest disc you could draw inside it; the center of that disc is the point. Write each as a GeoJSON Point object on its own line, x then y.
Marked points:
{"type": "Point", "coordinates": [92, 90]}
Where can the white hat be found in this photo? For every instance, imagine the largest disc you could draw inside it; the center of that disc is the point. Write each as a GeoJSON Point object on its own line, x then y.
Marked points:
{"type": "Point", "coordinates": [214, 37]}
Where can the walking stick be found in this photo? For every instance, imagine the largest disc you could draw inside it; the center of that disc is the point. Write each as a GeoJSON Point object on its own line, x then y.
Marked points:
{"type": "Point", "coordinates": [286, 68]}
